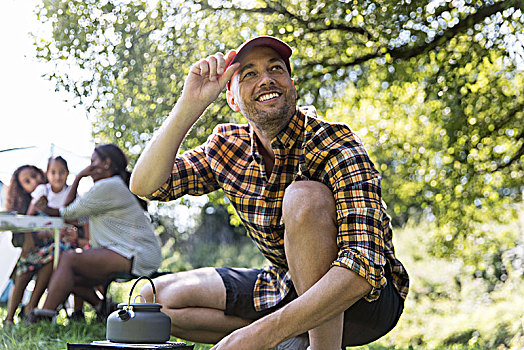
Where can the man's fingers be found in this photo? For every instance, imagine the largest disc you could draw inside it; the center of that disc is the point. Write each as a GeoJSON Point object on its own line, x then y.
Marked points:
{"type": "Point", "coordinates": [230, 71]}
{"type": "Point", "coordinates": [221, 63]}
{"type": "Point", "coordinates": [211, 67]}
{"type": "Point", "coordinates": [230, 56]}
{"type": "Point", "coordinates": [215, 67]}
{"type": "Point", "coordinates": [204, 68]}
{"type": "Point", "coordinates": [212, 62]}
{"type": "Point", "coordinates": [228, 74]}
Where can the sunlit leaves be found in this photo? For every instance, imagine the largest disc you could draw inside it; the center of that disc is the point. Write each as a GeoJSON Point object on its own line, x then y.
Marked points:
{"type": "Point", "coordinates": [447, 152]}
{"type": "Point", "coordinates": [435, 88]}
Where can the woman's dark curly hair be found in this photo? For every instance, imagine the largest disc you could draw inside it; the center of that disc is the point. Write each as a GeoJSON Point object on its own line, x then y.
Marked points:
{"type": "Point", "coordinates": [17, 199]}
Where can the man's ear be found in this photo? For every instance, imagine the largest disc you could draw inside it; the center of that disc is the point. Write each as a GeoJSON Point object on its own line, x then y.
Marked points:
{"type": "Point", "coordinates": [293, 82]}
{"type": "Point", "coordinates": [231, 101]}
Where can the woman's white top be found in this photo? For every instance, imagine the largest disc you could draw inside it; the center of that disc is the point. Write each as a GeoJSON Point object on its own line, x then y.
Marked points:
{"type": "Point", "coordinates": [118, 222]}
{"type": "Point", "coordinates": [54, 200]}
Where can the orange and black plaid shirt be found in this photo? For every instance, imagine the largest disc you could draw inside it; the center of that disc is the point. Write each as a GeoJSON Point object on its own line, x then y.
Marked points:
{"type": "Point", "coordinates": [308, 148]}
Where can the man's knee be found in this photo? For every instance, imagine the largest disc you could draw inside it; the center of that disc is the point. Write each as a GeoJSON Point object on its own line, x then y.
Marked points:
{"type": "Point", "coordinates": [161, 284]}
{"type": "Point", "coordinates": [201, 287]}
{"type": "Point", "coordinates": [304, 200]}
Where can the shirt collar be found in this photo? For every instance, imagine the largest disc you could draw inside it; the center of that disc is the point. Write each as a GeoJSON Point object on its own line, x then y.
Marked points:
{"type": "Point", "coordinates": [292, 132]}
{"type": "Point", "coordinates": [287, 138]}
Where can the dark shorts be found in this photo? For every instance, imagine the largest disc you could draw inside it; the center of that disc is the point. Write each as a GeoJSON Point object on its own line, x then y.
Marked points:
{"type": "Point", "coordinates": [364, 321]}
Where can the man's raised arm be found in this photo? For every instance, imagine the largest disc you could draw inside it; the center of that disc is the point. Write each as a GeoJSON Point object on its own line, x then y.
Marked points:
{"type": "Point", "coordinates": [206, 79]}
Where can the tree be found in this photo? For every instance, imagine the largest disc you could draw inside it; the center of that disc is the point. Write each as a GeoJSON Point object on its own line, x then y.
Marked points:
{"type": "Point", "coordinates": [434, 87]}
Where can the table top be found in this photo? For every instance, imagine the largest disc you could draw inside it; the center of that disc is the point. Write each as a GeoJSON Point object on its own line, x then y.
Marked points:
{"type": "Point", "coordinates": [24, 223]}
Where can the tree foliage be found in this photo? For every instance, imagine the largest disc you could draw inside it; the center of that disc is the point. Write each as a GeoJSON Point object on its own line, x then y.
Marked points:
{"type": "Point", "coordinates": [435, 88]}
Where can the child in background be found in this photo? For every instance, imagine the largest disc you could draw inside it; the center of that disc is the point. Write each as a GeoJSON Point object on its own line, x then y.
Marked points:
{"type": "Point", "coordinates": [23, 182]}
{"type": "Point", "coordinates": [55, 193]}
{"type": "Point", "coordinates": [56, 189]}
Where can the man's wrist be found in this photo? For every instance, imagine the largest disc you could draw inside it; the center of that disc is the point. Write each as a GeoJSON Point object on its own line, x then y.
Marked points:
{"type": "Point", "coordinates": [187, 112]}
{"type": "Point", "coordinates": [269, 330]}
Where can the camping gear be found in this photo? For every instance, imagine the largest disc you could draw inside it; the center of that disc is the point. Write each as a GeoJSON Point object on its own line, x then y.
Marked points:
{"type": "Point", "coordinates": [139, 322]}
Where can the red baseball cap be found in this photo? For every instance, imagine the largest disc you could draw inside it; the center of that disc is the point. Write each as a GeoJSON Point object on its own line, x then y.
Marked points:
{"type": "Point", "coordinates": [278, 45]}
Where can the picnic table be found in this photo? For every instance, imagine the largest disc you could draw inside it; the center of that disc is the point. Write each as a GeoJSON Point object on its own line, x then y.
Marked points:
{"type": "Point", "coordinates": [30, 223]}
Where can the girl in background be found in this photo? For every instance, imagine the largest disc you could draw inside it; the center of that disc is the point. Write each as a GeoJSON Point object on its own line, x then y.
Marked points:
{"type": "Point", "coordinates": [55, 192]}
{"type": "Point", "coordinates": [23, 182]}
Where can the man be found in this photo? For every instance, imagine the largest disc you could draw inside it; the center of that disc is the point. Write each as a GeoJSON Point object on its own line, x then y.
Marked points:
{"type": "Point", "coordinates": [309, 197]}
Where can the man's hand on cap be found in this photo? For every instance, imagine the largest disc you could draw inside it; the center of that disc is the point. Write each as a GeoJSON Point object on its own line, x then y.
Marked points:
{"type": "Point", "coordinates": [213, 66]}
{"type": "Point", "coordinates": [208, 77]}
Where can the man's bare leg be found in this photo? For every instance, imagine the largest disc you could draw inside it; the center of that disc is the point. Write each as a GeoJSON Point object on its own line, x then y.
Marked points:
{"type": "Point", "coordinates": [310, 243]}
{"type": "Point", "coordinates": [195, 301]}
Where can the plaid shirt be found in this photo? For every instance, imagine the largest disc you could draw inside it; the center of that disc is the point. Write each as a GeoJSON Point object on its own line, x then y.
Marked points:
{"type": "Point", "coordinates": [307, 148]}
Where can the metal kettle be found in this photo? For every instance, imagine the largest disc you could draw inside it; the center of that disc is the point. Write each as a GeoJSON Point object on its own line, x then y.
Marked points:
{"type": "Point", "coordinates": [139, 322]}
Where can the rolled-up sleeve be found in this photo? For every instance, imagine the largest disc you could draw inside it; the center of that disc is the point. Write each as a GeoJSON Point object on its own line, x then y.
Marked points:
{"type": "Point", "coordinates": [356, 187]}
{"type": "Point", "coordinates": [191, 175]}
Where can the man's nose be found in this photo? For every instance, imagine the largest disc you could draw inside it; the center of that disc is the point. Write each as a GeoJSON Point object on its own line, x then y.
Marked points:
{"type": "Point", "coordinates": [266, 79]}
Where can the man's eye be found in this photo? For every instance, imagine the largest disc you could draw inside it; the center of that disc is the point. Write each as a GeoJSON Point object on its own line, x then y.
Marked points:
{"type": "Point", "coordinates": [276, 68]}
{"type": "Point", "coordinates": [249, 74]}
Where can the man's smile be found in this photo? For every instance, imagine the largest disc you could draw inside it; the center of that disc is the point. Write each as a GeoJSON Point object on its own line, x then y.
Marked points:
{"type": "Point", "coordinates": [268, 96]}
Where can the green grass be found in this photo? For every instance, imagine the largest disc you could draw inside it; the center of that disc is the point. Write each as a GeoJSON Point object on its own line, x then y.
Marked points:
{"type": "Point", "coordinates": [448, 307]}
{"type": "Point", "coordinates": [47, 336]}
{"type": "Point", "coordinates": [423, 326]}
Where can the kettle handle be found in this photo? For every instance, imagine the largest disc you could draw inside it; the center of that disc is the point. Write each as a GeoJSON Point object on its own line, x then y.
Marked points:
{"type": "Point", "coordinates": [134, 284]}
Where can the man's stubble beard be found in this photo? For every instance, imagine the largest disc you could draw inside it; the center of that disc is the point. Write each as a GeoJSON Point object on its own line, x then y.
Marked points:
{"type": "Point", "coordinates": [272, 122]}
